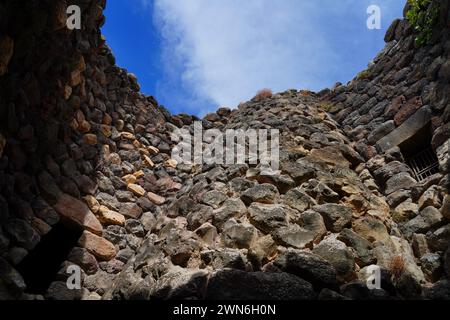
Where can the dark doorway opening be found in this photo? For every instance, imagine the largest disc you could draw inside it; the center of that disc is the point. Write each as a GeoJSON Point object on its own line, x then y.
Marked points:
{"type": "Point", "coordinates": [40, 268]}
{"type": "Point", "coordinates": [419, 154]}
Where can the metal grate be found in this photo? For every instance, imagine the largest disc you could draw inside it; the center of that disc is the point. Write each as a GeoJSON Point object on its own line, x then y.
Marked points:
{"type": "Point", "coordinates": [424, 164]}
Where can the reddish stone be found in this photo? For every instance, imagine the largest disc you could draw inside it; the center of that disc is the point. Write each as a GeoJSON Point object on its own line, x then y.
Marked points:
{"type": "Point", "coordinates": [407, 110]}
{"type": "Point", "coordinates": [78, 212]}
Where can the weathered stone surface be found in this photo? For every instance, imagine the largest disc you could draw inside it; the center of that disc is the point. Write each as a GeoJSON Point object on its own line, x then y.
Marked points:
{"type": "Point", "coordinates": [99, 247]}
{"type": "Point", "coordinates": [108, 217]}
{"type": "Point", "coordinates": [136, 189]}
{"type": "Point", "coordinates": [439, 239]}
{"type": "Point", "coordinates": [22, 233]}
{"type": "Point", "coordinates": [308, 266]}
{"type": "Point", "coordinates": [431, 266]}
{"type": "Point", "coordinates": [380, 132]}
{"type": "Point", "coordinates": [298, 200]}
{"type": "Point", "coordinates": [362, 247]}
{"type": "Point", "coordinates": [267, 217]}
{"type": "Point", "coordinates": [58, 291]}
{"type": "Point", "coordinates": [294, 236]}
{"type": "Point", "coordinates": [400, 181]}
{"type": "Point", "coordinates": [180, 283]}
{"type": "Point", "coordinates": [238, 235]}
{"type": "Point", "coordinates": [257, 286]}
{"type": "Point", "coordinates": [445, 210]}
{"type": "Point", "coordinates": [392, 168]}
{"type": "Point", "coordinates": [77, 212]}
{"type": "Point", "coordinates": [371, 229]}
{"type": "Point", "coordinates": [214, 198]}
{"type": "Point", "coordinates": [299, 172]}
{"type": "Point", "coordinates": [428, 218]}
{"type": "Point", "coordinates": [406, 130]}
{"type": "Point", "coordinates": [207, 232]}
{"type": "Point", "coordinates": [84, 259]}
{"type": "Point", "coordinates": [156, 199]}
{"type": "Point", "coordinates": [231, 208]}
{"type": "Point", "coordinates": [405, 211]}
{"type": "Point", "coordinates": [131, 210]}
{"type": "Point", "coordinates": [419, 245]}
{"type": "Point", "coordinates": [11, 278]}
{"type": "Point", "coordinates": [336, 217]}
{"type": "Point", "coordinates": [338, 255]}
{"type": "Point", "coordinates": [263, 193]}
{"type": "Point", "coordinates": [76, 126]}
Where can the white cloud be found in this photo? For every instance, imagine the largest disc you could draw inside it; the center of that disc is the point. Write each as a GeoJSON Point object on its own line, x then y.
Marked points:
{"type": "Point", "coordinates": [229, 49]}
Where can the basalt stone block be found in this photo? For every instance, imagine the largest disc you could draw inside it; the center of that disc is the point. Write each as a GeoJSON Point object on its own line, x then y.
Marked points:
{"type": "Point", "coordinates": [381, 131]}
{"type": "Point", "coordinates": [78, 213]}
{"type": "Point", "coordinates": [258, 286]}
{"type": "Point", "coordinates": [22, 233]}
{"type": "Point", "coordinates": [407, 130]}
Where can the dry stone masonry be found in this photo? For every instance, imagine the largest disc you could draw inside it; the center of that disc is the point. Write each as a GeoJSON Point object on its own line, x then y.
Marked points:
{"type": "Point", "coordinates": [87, 180]}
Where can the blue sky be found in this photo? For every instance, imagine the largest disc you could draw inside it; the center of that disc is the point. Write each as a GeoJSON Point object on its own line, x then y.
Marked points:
{"type": "Point", "coordinates": [194, 56]}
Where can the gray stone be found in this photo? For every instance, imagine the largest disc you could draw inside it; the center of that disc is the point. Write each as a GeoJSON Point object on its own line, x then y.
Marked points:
{"type": "Point", "coordinates": [214, 198]}
{"type": "Point", "coordinates": [338, 255]}
{"type": "Point", "coordinates": [135, 227]}
{"type": "Point", "coordinates": [263, 193]}
{"type": "Point", "coordinates": [447, 261]}
{"type": "Point", "coordinates": [232, 208]}
{"type": "Point", "coordinates": [294, 236]}
{"type": "Point", "coordinates": [400, 181]}
{"type": "Point", "coordinates": [308, 266]}
{"type": "Point", "coordinates": [226, 258]}
{"type": "Point", "coordinates": [428, 218]}
{"type": "Point", "coordinates": [84, 259]}
{"type": "Point", "coordinates": [431, 266]}
{"type": "Point", "coordinates": [199, 215]}
{"type": "Point", "coordinates": [439, 239]}
{"type": "Point", "coordinates": [268, 217]}
{"type": "Point", "coordinates": [300, 172]}
{"type": "Point", "coordinates": [298, 200]}
{"type": "Point", "coordinates": [361, 246]}
{"type": "Point", "coordinates": [58, 291]}
{"type": "Point", "coordinates": [445, 210]}
{"type": "Point", "coordinates": [11, 278]}
{"type": "Point", "coordinates": [130, 210]}
{"type": "Point", "coordinates": [407, 130]}
{"type": "Point", "coordinates": [380, 132]}
{"type": "Point", "coordinates": [319, 191]}
{"type": "Point", "coordinates": [389, 170]}
{"type": "Point", "coordinates": [257, 286]}
{"type": "Point", "coordinates": [283, 182]}
{"type": "Point", "coordinates": [148, 221]}
{"type": "Point", "coordinates": [419, 245]}
{"type": "Point", "coordinates": [336, 217]}
{"type": "Point", "coordinates": [22, 233]}
{"type": "Point", "coordinates": [180, 283]}
{"type": "Point", "coordinates": [238, 235]}
{"type": "Point", "coordinates": [438, 291]}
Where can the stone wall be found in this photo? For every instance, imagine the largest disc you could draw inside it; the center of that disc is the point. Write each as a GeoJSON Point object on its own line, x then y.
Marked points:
{"type": "Point", "coordinates": [85, 157]}
{"type": "Point", "coordinates": [71, 125]}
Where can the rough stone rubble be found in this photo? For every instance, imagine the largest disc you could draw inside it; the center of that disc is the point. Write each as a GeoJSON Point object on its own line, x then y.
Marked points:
{"type": "Point", "coordinates": [80, 145]}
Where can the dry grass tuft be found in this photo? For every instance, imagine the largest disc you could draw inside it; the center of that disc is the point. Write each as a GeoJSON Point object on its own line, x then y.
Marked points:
{"type": "Point", "coordinates": [263, 94]}
{"type": "Point", "coordinates": [397, 266]}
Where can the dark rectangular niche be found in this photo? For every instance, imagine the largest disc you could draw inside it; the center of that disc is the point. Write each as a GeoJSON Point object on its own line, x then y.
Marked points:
{"type": "Point", "coordinates": [419, 154]}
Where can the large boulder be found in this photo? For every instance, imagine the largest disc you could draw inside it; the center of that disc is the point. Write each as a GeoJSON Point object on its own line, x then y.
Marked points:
{"type": "Point", "coordinates": [257, 286]}
{"type": "Point", "coordinates": [78, 213]}
{"type": "Point", "coordinates": [308, 266]}
{"type": "Point", "coordinates": [268, 217]}
{"type": "Point", "coordinates": [336, 217]}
